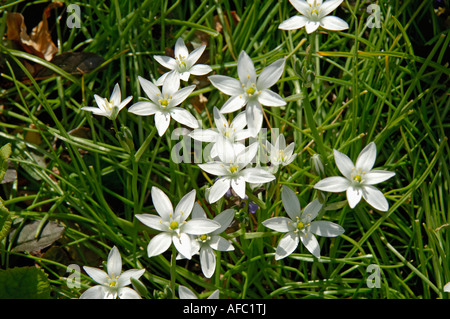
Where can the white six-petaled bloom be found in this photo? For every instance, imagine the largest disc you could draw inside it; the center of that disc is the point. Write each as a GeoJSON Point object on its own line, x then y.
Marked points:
{"type": "Point", "coordinates": [300, 226]}
{"type": "Point", "coordinates": [280, 154]}
{"type": "Point", "coordinates": [234, 171]}
{"type": "Point", "coordinates": [205, 244]}
{"type": "Point", "coordinates": [109, 108]}
{"type": "Point", "coordinates": [173, 225]}
{"type": "Point", "coordinates": [235, 131]}
{"type": "Point", "coordinates": [164, 105]}
{"type": "Point", "coordinates": [314, 14]}
{"type": "Point", "coordinates": [112, 284]}
{"type": "Point", "coordinates": [183, 63]}
{"type": "Point", "coordinates": [251, 90]}
{"type": "Point", "coordinates": [358, 179]}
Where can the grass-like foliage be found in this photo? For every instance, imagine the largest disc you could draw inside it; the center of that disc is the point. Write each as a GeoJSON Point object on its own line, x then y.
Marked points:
{"type": "Point", "coordinates": [79, 181]}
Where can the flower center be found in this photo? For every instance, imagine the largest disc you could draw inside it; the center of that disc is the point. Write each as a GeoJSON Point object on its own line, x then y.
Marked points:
{"type": "Point", "coordinates": [113, 281]}
{"type": "Point", "coordinates": [281, 156]}
{"type": "Point", "coordinates": [164, 103]}
{"type": "Point", "coordinates": [300, 225]}
{"type": "Point", "coordinates": [250, 91]}
{"type": "Point", "coordinates": [357, 175]}
{"type": "Point", "coordinates": [233, 169]}
{"type": "Point", "coordinates": [315, 8]}
{"type": "Point", "coordinates": [173, 225]}
{"type": "Point", "coordinates": [181, 64]}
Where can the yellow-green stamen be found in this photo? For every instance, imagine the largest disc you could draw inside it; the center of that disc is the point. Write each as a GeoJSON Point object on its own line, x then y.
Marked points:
{"type": "Point", "coordinates": [173, 225]}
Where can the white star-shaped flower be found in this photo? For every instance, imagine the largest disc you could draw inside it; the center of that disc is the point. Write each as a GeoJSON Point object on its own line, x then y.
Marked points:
{"type": "Point", "coordinates": [234, 171]}
{"type": "Point", "coordinates": [300, 226]}
{"type": "Point", "coordinates": [314, 14]}
{"type": "Point", "coordinates": [205, 244]}
{"type": "Point", "coordinates": [235, 131]}
{"type": "Point", "coordinates": [164, 105]}
{"type": "Point", "coordinates": [109, 108]}
{"type": "Point", "coordinates": [251, 90]}
{"type": "Point", "coordinates": [183, 63]}
{"type": "Point", "coordinates": [358, 179]}
{"type": "Point", "coordinates": [173, 225]}
{"type": "Point", "coordinates": [280, 154]}
{"type": "Point", "coordinates": [113, 283]}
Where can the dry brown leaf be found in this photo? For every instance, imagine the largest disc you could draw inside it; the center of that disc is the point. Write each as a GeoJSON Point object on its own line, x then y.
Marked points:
{"type": "Point", "coordinates": [39, 42]}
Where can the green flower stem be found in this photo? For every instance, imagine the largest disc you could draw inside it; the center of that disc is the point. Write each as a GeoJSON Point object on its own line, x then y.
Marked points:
{"type": "Point", "coordinates": [173, 271]}
{"type": "Point", "coordinates": [144, 145]}
{"type": "Point", "coordinates": [312, 124]}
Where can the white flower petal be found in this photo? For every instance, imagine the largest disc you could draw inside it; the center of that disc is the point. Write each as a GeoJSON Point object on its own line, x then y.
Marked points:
{"type": "Point", "coordinates": [377, 176]}
{"type": "Point", "coordinates": [195, 55]}
{"type": "Point", "coordinates": [151, 90]}
{"type": "Point", "coordinates": [334, 184]}
{"type": "Point", "coordinates": [301, 6]}
{"type": "Point", "coordinates": [98, 275]}
{"type": "Point", "coordinates": [254, 117]}
{"type": "Point", "coordinates": [186, 293]}
{"type": "Point", "coordinates": [200, 69]}
{"type": "Point", "coordinates": [162, 122]}
{"type": "Point", "coordinates": [333, 23]}
{"type": "Point", "coordinates": [234, 103]}
{"type": "Point", "coordinates": [366, 159]}
{"type": "Point", "coordinates": [246, 69]}
{"type": "Point", "coordinates": [95, 110]}
{"type": "Point", "coordinates": [144, 108]}
{"type": "Point", "coordinates": [185, 205]}
{"type": "Point", "coordinates": [115, 95]}
{"type": "Point", "coordinates": [125, 277]}
{"type": "Point", "coordinates": [217, 169]}
{"type": "Point", "coordinates": [293, 23]}
{"type": "Point", "coordinates": [96, 292]}
{"type": "Point", "coordinates": [447, 287]}
{"type": "Point", "coordinates": [128, 293]}
{"type": "Point", "coordinates": [311, 243]}
{"type": "Point", "coordinates": [270, 75]}
{"type": "Point", "coordinates": [179, 96]}
{"type": "Point", "coordinates": [238, 185]}
{"type": "Point", "coordinates": [200, 226]}
{"type": "Point", "coordinates": [207, 261]}
{"type": "Point", "coordinates": [220, 187]}
{"type": "Point", "coordinates": [270, 98]}
{"type": "Point", "coordinates": [159, 244]}
{"type": "Point", "coordinates": [375, 198]}
{"type": "Point", "coordinates": [162, 203]}
{"type": "Point", "coordinates": [290, 202]}
{"type": "Point", "coordinates": [354, 195]}
{"type": "Point", "coordinates": [171, 84]}
{"type": "Point", "coordinates": [286, 246]}
{"type": "Point", "coordinates": [226, 84]}
{"type": "Point", "coordinates": [311, 26]}
{"type": "Point", "coordinates": [257, 175]}
{"type": "Point", "coordinates": [180, 49]}
{"type": "Point", "coordinates": [166, 61]}
{"type": "Point", "coordinates": [182, 243]}
{"type": "Point", "coordinates": [326, 228]}
{"type": "Point", "coordinates": [204, 135]}
{"type": "Point", "coordinates": [344, 164]}
{"type": "Point", "coordinates": [184, 117]}
{"type": "Point", "coordinates": [224, 219]}
{"type": "Point", "coordinates": [151, 221]}
{"type": "Point", "coordinates": [114, 262]}
{"type": "Point", "coordinates": [280, 224]}
{"type": "Point", "coordinates": [312, 210]}
{"type": "Point", "coordinates": [329, 6]}
{"type": "Point", "coordinates": [220, 244]}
